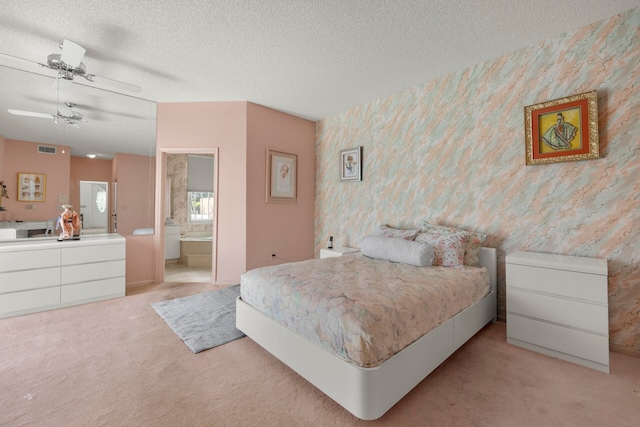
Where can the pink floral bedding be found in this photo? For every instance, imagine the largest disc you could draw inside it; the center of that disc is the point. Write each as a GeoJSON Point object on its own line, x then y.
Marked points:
{"type": "Point", "coordinates": [362, 309]}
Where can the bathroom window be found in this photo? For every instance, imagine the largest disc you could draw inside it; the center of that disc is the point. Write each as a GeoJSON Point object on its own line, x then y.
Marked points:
{"type": "Point", "coordinates": [200, 205]}
{"type": "Point", "coordinates": [101, 200]}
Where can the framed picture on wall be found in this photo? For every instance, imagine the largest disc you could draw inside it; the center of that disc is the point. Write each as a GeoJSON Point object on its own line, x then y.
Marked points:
{"type": "Point", "coordinates": [282, 176]}
{"type": "Point", "coordinates": [32, 187]}
{"type": "Point", "coordinates": [562, 130]}
{"type": "Point", "coordinates": [351, 164]}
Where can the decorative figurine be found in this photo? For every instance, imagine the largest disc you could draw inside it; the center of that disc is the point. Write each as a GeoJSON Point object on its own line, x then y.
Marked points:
{"type": "Point", "coordinates": [3, 193]}
{"type": "Point", "coordinates": [69, 223]}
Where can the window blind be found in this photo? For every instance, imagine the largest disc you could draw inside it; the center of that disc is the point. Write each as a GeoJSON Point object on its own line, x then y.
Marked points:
{"type": "Point", "coordinates": [200, 173]}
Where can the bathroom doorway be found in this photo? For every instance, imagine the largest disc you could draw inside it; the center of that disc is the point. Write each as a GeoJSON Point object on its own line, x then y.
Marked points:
{"type": "Point", "coordinates": [94, 207]}
{"type": "Point", "coordinates": [189, 216]}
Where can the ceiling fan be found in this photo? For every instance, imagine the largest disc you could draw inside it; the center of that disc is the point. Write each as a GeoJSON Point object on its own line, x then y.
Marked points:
{"type": "Point", "coordinates": [71, 120]}
{"type": "Point", "coordinates": [69, 65]}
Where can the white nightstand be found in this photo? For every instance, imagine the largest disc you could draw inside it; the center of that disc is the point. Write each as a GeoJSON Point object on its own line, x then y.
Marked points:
{"type": "Point", "coordinates": [558, 305]}
{"type": "Point", "coordinates": [337, 251]}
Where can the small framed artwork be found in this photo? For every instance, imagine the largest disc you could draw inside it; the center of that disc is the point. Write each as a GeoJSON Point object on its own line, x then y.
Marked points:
{"type": "Point", "coordinates": [351, 164]}
{"type": "Point", "coordinates": [282, 176]}
{"type": "Point", "coordinates": [32, 187]}
{"type": "Point", "coordinates": [562, 130]}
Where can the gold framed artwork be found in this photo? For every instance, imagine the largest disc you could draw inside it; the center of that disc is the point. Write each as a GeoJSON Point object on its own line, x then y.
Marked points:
{"type": "Point", "coordinates": [562, 130]}
{"type": "Point", "coordinates": [351, 164]}
{"type": "Point", "coordinates": [32, 187]}
{"type": "Point", "coordinates": [282, 177]}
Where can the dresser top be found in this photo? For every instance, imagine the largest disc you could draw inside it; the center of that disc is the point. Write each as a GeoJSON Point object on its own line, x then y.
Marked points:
{"type": "Point", "coordinates": [54, 243]}
{"type": "Point", "coordinates": [559, 262]}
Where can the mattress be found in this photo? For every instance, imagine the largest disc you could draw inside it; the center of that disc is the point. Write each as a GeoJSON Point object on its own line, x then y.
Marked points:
{"type": "Point", "coordinates": [362, 309]}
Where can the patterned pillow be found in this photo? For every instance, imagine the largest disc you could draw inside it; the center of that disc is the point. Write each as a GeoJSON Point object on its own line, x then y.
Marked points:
{"type": "Point", "coordinates": [448, 249]}
{"type": "Point", "coordinates": [474, 240]}
{"type": "Point", "coordinates": [396, 233]}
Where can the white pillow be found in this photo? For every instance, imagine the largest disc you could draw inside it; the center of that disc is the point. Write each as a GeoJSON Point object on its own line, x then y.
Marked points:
{"type": "Point", "coordinates": [397, 250]}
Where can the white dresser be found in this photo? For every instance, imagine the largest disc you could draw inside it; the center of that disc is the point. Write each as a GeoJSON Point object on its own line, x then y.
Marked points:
{"type": "Point", "coordinates": [558, 305]}
{"type": "Point", "coordinates": [43, 274]}
{"type": "Point", "coordinates": [337, 251]}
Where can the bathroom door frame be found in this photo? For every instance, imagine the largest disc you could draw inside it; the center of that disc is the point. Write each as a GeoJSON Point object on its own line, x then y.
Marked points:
{"type": "Point", "coordinates": [161, 183]}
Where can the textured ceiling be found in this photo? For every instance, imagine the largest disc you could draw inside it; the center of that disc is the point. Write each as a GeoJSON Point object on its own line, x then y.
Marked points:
{"type": "Point", "coordinates": [309, 58]}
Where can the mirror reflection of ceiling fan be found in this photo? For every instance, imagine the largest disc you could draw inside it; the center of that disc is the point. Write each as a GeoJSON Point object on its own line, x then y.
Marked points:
{"type": "Point", "coordinates": [72, 120]}
{"type": "Point", "coordinates": [69, 65]}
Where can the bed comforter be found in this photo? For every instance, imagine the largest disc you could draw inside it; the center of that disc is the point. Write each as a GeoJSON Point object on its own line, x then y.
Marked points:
{"type": "Point", "coordinates": [362, 309]}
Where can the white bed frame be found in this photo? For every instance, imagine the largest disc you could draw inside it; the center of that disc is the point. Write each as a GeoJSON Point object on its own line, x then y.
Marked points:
{"type": "Point", "coordinates": [370, 392]}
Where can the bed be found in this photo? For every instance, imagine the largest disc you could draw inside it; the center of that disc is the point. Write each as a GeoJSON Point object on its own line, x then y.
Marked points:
{"type": "Point", "coordinates": [366, 383]}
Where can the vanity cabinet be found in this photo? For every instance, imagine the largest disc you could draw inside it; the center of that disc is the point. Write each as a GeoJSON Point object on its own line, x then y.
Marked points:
{"type": "Point", "coordinates": [558, 305]}
{"type": "Point", "coordinates": [44, 274]}
{"type": "Point", "coordinates": [171, 241]}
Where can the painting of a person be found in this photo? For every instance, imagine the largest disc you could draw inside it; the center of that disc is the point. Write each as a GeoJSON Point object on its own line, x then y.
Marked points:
{"type": "Point", "coordinates": [284, 179]}
{"type": "Point", "coordinates": [559, 136]}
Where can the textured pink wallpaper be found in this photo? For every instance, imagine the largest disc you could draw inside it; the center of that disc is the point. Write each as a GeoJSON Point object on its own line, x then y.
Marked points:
{"type": "Point", "coordinates": [452, 151]}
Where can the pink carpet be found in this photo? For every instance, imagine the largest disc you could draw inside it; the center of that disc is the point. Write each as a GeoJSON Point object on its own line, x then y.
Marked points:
{"type": "Point", "coordinates": [117, 363]}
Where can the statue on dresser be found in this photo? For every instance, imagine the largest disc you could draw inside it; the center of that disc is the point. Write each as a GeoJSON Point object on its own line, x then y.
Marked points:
{"type": "Point", "coordinates": [69, 223]}
{"type": "Point", "coordinates": [3, 193]}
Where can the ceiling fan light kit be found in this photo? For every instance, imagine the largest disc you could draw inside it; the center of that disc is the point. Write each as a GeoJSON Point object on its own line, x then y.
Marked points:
{"type": "Point", "coordinates": [66, 71]}
{"type": "Point", "coordinates": [69, 65]}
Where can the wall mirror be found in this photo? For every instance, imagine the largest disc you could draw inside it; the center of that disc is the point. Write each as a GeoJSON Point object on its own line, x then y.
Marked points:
{"type": "Point", "coordinates": [111, 123]}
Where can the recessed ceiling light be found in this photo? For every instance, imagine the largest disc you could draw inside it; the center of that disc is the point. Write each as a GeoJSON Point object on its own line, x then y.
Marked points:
{"type": "Point", "coordinates": [91, 156]}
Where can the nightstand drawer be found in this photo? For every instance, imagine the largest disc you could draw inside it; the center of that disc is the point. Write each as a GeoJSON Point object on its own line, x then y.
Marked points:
{"type": "Point", "coordinates": [571, 284]}
{"type": "Point", "coordinates": [565, 340]}
{"type": "Point", "coordinates": [576, 314]}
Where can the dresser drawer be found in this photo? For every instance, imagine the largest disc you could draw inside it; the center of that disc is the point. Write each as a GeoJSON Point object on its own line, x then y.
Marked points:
{"type": "Point", "coordinates": [98, 253]}
{"type": "Point", "coordinates": [29, 260]}
{"type": "Point", "coordinates": [577, 314]}
{"type": "Point", "coordinates": [29, 301]}
{"type": "Point", "coordinates": [90, 272]}
{"type": "Point", "coordinates": [571, 284]}
{"type": "Point", "coordinates": [29, 279]}
{"type": "Point", "coordinates": [93, 290]}
{"type": "Point", "coordinates": [565, 340]}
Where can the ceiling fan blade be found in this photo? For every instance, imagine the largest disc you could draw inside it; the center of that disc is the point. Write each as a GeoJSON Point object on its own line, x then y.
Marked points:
{"type": "Point", "coordinates": [20, 63]}
{"type": "Point", "coordinates": [73, 125]}
{"type": "Point", "coordinates": [72, 53]}
{"type": "Point", "coordinates": [31, 114]}
{"type": "Point", "coordinates": [113, 83]}
{"type": "Point", "coordinates": [15, 58]}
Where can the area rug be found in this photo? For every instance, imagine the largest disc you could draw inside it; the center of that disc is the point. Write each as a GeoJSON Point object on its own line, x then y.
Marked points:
{"type": "Point", "coordinates": [203, 321]}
